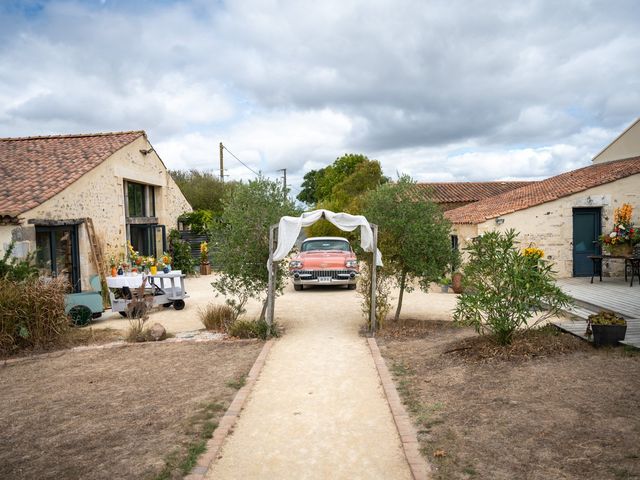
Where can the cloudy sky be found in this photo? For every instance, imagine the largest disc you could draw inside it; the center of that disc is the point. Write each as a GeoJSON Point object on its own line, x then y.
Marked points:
{"type": "Point", "coordinates": [441, 90]}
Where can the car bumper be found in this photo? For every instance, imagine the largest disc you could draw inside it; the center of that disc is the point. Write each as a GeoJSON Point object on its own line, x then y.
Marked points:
{"type": "Point", "coordinates": [324, 277]}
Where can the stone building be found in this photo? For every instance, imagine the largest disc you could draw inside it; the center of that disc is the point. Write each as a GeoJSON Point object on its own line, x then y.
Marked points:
{"type": "Point", "coordinates": [50, 185]}
{"type": "Point", "coordinates": [564, 215]}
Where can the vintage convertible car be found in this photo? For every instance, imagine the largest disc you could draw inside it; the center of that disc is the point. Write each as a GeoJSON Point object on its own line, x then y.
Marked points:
{"type": "Point", "coordinates": [324, 261]}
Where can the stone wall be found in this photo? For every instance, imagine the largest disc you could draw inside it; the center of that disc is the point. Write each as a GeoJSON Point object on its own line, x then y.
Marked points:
{"type": "Point", "coordinates": [99, 194]}
{"type": "Point", "coordinates": [550, 226]}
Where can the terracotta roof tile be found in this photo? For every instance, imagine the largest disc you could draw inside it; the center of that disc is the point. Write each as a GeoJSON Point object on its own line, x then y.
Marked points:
{"type": "Point", "coordinates": [457, 192]}
{"type": "Point", "coordinates": [34, 169]}
{"type": "Point", "coordinates": [544, 191]}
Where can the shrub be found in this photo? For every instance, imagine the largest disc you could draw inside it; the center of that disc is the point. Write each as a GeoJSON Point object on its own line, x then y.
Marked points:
{"type": "Point", "coordinates": [32, 314]}
{"type": "Point", "coordinates": [138, 313]}
{"type": "Point", "coordinates": [181, 254]}
{"type": "Point", "coordinates": [253, 329]}
{"type": "Point", "coordinates": [384, 282]}
{"type": "Point", "coordinates": [12, 268]}
{"type": "Point", "coordinates": [505, 289]}
{"type": "Point", "coordinates": [216, 317]}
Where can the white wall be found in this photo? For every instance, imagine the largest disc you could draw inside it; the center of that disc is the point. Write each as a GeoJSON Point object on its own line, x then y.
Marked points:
{"type": "Point", "coordinates": [550, 225]}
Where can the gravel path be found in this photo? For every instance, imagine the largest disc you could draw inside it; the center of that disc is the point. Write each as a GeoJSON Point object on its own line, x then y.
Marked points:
{"type": "Point", "coordinates": [317, 410]}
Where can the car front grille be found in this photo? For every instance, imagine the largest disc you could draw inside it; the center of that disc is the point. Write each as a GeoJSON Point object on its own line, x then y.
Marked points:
{"type": "Point", "coordinates": [315, 274]}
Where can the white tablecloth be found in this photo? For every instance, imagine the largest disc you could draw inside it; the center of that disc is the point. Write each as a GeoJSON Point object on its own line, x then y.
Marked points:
{"type": "Point", "coordinates": [134, 281]}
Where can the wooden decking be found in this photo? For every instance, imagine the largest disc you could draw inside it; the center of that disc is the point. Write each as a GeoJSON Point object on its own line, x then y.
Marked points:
{"type": "Point", "coordinates": [612, 294]}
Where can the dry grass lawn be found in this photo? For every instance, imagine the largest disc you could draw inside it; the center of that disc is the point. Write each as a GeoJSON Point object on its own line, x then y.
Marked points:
{"type": "Point", "coordinates": [115, 413]}
{"type": "Point", "coordinates": [567, 411]}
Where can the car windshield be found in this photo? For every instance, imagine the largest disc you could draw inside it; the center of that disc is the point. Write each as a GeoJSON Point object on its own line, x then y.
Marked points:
{"type": "Point", "coordinates": [310, 245]}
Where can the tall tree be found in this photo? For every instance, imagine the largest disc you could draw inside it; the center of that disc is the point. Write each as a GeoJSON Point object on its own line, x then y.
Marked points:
{"type": "Point", "coordinates": [413, 235]}
{"type": "Point", "coordinates": [203, 190]}
{"type": "Point", "coordinates": [340, 186]}
{"type": "Point", "coordinates": [243, 247]}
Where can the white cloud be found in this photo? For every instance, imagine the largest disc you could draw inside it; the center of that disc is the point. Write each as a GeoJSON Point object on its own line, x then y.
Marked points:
{"type": "Point", "coordinates": [437, 89]}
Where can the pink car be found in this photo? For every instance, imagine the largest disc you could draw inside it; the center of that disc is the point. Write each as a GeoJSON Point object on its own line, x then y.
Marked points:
{"type": "Point", "coordinates": [324, 261]}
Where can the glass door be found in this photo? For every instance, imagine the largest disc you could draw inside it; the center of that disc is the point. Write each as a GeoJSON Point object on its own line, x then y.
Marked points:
{"type": "Point", "coordinates": [58, 254]}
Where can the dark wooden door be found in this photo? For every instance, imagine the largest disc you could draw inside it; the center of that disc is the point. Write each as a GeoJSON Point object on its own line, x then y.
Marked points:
{"type": "Point", "coordinates": [586, 230]}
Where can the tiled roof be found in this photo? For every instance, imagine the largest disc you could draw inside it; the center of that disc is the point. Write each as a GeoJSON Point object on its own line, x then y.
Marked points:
{"type": "Point", "coordinates": [544, 191]}
{"type": "Point", "coordinates": [34, 169]}
{"type": "Point", "coordinates": [456, 192]}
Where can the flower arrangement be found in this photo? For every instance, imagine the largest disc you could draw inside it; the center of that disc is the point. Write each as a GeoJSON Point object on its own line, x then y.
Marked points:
{"type": "Point", "coordinates": [204, 252]}
{"type": "Point", "coordinates": [533, 252]}
{"type": "Point", "coordinates": [166, 258]}
{"type": "Point", "coordinates": [624, 232]}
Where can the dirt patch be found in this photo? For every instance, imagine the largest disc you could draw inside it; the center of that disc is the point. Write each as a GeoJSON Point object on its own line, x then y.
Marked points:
{"type": "Point", "coordinates": [115, 413]}
{"type": "Point", "coordinates": [535, 412]}
{"type": "Point", "coordinates": [76, 337]}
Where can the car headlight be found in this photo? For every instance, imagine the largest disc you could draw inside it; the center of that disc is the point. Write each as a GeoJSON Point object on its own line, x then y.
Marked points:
{"type": "Point", "coordinates": [295, 264]}
{"type": "Point", "coordinates": [351, 263]}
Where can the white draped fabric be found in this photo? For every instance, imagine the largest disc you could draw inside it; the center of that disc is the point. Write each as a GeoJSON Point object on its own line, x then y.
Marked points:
{"type": "Point", "coordinates": [289, 229]}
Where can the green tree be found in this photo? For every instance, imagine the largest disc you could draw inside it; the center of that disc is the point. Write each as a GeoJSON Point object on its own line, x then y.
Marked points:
{"type": "Point", "coordinates": [203, 190]}
{"type": "Point", "coordinates": [505, 289]}
{"type": "Point", "coordinates": [308, 191]}
{"type": "Point", "coordinates": [243, 247]}
{"type": "Point", "coordinates": [340, 187]}
{"type": "Point", "coordinates": [413, 235]}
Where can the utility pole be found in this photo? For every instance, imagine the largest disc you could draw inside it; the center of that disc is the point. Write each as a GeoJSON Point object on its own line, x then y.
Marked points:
{"type": "Point", "coordinates": [284, 181]}
{"type": "Point", "coordinates": [221, 163]}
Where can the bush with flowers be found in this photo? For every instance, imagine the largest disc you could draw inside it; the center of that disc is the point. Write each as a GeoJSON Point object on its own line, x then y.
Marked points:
{"type": "Point", "coordinates": [534, 253]}
{"type": "Point", "coordinates": [624, 232]}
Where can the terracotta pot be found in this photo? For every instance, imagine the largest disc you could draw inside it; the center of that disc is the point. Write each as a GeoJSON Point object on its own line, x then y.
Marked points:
{"type": "Point", "coordinates": [114, 271]}
{"type": "Point", "coordinates": [456, 282]}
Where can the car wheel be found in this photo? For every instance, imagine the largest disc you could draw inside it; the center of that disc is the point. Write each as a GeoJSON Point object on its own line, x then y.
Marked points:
{"type": "Point", "coordinates": [297, 287]}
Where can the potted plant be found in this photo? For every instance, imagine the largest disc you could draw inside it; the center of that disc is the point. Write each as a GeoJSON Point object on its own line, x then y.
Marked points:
{"type": "Point", "coordinates": [607, 328]}
{"type": "Point", "coordinates": [151, 265]}
{"type": "Point", "coordinates": [456, 274]}
{"type": "Point", "coordinates": [205, 266]}
{"type": "Point", "coordinates": [620, 240]}
{"type": "Point", "coordinates": [112, 265]}
{"type": "Point", "coordinates": [444, 284]}
{"type": "Point", "coordinates": [166, 261]}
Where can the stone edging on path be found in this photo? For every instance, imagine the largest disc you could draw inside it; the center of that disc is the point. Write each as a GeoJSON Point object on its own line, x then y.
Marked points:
{"type": "Point", "coordinates": [229, 419]}
{"type": "Point", "coordinates": [420, 469]}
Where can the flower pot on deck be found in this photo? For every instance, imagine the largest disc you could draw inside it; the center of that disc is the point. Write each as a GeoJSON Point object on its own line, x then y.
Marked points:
{"type": "Point", "coordinates": [608, 335]}
{"type": "Point", "coordinates": [205, 269]}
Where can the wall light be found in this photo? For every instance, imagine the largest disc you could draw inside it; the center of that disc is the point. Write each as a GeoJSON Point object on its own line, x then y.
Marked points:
{"type": "Point", "coordinates": [499, 221]}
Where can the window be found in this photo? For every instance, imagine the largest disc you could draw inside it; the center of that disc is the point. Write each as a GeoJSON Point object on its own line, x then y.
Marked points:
{"type": "Point", "coordinates": [140, 200]}
{"type": "Point", "coordinates": [58, 254]}
{"type": "Point", "coordinates": [148, 239]}
{"type": "Point", "coordinates": [311, 245]}
{"type": "Point", "coordinates": [454, 242]}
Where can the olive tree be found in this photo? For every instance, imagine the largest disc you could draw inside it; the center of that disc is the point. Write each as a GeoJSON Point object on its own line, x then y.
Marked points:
{"type": "Point", "coordinates": [414, 236]}
{"type": "Point", "coordinates": [243, 241]}
{"type": "Point", "coordinates": [505, 289]}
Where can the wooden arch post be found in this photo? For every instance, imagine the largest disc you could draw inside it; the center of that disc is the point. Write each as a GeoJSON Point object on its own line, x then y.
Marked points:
{"type": "Point", "coordinates": [271, 288]}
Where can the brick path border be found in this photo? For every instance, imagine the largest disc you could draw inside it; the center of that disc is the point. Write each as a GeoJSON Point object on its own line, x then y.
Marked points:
{"type": "Point", "coordinates": [229, 419]}
{"type": "Point", "coordinates": [420, 469]}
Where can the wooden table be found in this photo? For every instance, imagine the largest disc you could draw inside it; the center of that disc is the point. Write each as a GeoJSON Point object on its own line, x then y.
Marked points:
{"type": "Point", "coordinates": [631, 265]}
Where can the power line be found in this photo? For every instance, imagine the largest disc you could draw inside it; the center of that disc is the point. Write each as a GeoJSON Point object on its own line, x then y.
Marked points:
{"type": "Point", "coordinates": [247, 166]}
